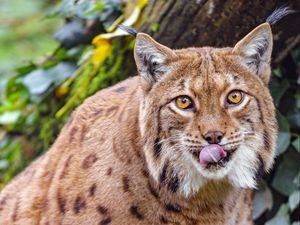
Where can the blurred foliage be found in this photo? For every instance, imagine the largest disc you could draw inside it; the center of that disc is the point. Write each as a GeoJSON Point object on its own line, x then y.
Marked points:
{"type": "Point", "coordinates": [37, 100]}
{"type": "Point", "coordinates": [25, 33]}
{"type": "Point", "coordinates": [277, 201]}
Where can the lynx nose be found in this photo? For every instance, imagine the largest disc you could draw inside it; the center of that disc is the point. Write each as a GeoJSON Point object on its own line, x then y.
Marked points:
{"type": "Point", "coordinates": [213, 137]}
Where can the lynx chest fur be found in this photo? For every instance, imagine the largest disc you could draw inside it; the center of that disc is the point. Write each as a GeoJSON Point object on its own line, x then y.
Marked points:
{"type": "Point", "coordinates": [182, 143]}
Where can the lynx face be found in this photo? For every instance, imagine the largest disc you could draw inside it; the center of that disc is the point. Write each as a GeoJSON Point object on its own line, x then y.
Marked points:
{"type": "Point", "coordinates": [206, 113]}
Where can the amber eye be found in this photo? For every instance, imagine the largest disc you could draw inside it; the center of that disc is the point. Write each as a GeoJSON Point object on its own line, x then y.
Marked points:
{"type": "Point", "coordinates": [184, 102]}
{"type": "Point", "coordinates": [235, 97]}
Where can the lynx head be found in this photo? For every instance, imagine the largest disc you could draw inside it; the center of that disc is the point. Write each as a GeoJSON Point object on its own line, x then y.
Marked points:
{"type": "Point", "coordinates": [206, 113]}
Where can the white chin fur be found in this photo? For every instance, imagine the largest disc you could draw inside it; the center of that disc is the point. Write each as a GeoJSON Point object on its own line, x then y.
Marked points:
{"type": "Point", "coordinates": [239, 171]}
{"type": "Point", "coordinates": [193, 180]}
{"type": "Point", "coordinates": [243, 173]}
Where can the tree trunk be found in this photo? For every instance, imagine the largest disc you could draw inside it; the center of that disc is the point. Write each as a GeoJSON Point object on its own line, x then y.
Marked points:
{"type": "Point", "coordinates": [220, 23]}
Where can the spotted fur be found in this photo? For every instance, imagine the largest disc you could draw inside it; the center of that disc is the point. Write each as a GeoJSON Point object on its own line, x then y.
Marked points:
{"type": "Point", "coordinates": [128, 155]}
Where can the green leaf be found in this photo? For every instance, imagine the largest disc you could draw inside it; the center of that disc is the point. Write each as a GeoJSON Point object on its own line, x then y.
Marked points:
{"type": "Point", "coordinates": [60, 53]}
{"type": "Point", "coordinates": [284, 135]}
{"type": "Point", "coordinates": [283, 142]}
{"type": "Point", "coordinates": [37, 82]}
{"type": "Point", "coordinates": [293, 117]}
{"type": "Point", "coordinates": [15, 94]}
{"type": "Point", "coordinates": [72, 34]}
{"type": "Point", "coordinates": [286, 172]}
{"type": "Point", "coordinates": [278, 88]}
{"type": "Point", "coordinates": [155, 27]}
{"type": "Point", "coordinates": [81, 9]}
{"type": "Point", "coordinates": [61, 72]}
{"type": "Point", "coordinates": [297, 96]}
{"type": "Point", "coordinates": [99, 6]}
{"type": "Point", "coordinates": [263, 200]}
{"type": "Point", "coordinates": [31, 118]}
{"type": "Point", "coordinates": [281, 217]}
{"type": "Point", "coordinates": [24, 69]}
{"type": "Point", "coordinates": [48, 64]}
{"type": "Point", "coordinates": [296, 180]}
{"type": "Point", "coordinates": [294, 200]}
{"type": "Point", "coordinates": [280, 220]}
{"type": "Point", "coordinates": [9, 117]}
{"type": "Point", "coordinates": [64, 9]}
{"type": "Point", "coordinates": [296, 144]}
{"type": "Point", "coordinates": [283, 210]}
{"type": "Point", "coordinates": [277, 72]}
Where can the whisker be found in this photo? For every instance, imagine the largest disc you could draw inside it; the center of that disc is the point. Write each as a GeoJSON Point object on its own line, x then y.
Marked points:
{"type": "Point", "coordinates": [233, 142]}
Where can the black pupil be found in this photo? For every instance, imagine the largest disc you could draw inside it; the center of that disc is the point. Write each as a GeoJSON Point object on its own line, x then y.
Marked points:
{"type": "Point", "coordinates": [234, 95]}
{"type": "Point", "coordinates": [184, 100]}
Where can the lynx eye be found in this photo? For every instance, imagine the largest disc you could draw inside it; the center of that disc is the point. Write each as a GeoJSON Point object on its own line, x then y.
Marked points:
{"type": "Point", "coordinates": [235, 97]}
{"type": "Point", "coordinates": [184, 102]}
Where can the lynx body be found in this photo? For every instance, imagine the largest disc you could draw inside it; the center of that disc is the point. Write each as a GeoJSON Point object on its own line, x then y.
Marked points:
{"type": "Point", "coordinates": [131, 154]}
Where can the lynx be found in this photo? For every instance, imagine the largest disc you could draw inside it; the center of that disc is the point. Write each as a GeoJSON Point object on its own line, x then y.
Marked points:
{"type": "Point", "coordinates": [181, 143]}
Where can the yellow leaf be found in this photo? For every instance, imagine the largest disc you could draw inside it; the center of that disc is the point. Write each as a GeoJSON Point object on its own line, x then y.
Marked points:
{"type": "Point", "coordinates": [61, 91]}
{"type": "Point", "coordinates": [100, 40]}
{"type": "Point", "coordinates": [102, 51]}
{"type": "Point", "coordinates": [142, 3]}
{"type": "Point", "coordinates": [131, 20]}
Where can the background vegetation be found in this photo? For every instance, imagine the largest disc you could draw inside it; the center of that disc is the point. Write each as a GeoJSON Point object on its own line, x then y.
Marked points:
{"type": "Point", "coordinates": [43, 80]}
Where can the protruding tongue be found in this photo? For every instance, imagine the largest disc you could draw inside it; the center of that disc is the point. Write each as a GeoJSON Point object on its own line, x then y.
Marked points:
{"type": "Point", "coordinates": [211, 154]}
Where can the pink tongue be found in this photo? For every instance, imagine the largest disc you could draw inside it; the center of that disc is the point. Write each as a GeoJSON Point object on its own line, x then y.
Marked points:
{"type": "Point", "coordinates": [211, 154]}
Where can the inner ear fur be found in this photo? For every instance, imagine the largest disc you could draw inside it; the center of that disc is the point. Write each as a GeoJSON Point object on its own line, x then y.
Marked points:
{"type": "Point", "coordinates": [151, 59]}
{"type": "Point", "coordinates": [255, 50]}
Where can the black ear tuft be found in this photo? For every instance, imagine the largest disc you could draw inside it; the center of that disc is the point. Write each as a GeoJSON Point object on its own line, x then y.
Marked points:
{"type": "Point", "coordinates": [133, 32]}
{"type": "Point", "coordinates": [279, 13]}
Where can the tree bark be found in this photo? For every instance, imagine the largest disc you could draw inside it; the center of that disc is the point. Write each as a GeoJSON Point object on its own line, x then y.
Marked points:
{"type": "Point", "coordinates": [219, 23]}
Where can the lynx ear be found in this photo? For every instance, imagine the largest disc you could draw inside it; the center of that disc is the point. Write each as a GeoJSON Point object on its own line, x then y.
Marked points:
{"type": "Point", "coordinates": [151, 59]}
{"type": "Point", "coordinates": [256, 49]}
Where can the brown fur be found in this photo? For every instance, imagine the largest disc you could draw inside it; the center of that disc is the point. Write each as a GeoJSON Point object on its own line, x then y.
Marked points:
{"type": "Point", "coordinates": [110, 166]}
